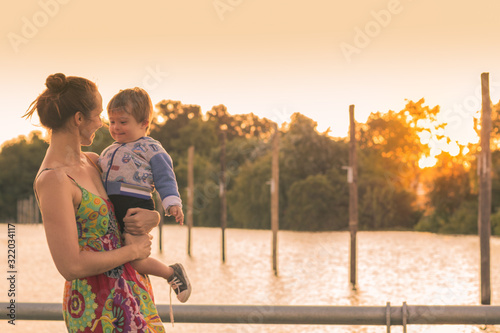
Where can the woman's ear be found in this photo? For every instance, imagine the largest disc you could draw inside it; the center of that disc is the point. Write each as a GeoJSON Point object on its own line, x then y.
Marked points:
{"type": "Point", "coordinates": [78, 118]}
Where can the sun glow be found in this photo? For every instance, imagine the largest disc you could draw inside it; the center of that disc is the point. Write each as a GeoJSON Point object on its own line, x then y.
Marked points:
{"type": "Point", "coordinates": [427, 162]}
{"type": "Point", "coordinates": [160, 119]}
{"type": "Point", "coordinates": [450, 136]}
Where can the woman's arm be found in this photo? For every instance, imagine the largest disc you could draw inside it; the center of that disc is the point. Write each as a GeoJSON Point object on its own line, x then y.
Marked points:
{"type": "Point", "coordinates": [56, 195]}
{"type": "Point", "coordinates": [140, 221]}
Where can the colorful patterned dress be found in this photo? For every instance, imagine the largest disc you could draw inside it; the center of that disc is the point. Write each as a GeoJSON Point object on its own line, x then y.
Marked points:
{"type": "Point", "coordinates": [120, 300]}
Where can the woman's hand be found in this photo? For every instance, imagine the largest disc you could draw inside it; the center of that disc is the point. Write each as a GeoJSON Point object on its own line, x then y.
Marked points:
{"type": "Point", "coordinates": [140, 221]}
{"type": "Point", "coordinates": [142, 244]}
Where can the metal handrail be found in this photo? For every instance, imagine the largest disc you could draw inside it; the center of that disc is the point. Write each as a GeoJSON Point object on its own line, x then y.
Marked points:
{"type": "Point", "coordinates": [294, 314]}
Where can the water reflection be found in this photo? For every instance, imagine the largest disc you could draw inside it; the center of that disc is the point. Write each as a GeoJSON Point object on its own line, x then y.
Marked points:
{"type": "Point", "coordinates": [396, 267]}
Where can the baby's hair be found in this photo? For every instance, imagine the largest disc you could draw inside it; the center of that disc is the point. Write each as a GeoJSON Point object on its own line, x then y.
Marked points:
{"type": "Point", "coordinates": [63, 98]}
{"type": "Point", "coordinates": [135, 102]}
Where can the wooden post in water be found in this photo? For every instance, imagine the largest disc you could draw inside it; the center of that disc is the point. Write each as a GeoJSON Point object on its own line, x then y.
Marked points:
{"type": "Point", "coordinates": [222, 192]}
{"type": "Point", "coordinates": [275, 197]}
{"type": "Point", "coordinates": [32, 210]}
{"type": "Point", "coordinates": [353, 194]}
{"type": "Point", "coordinates": [160, 233]}
{"type": "Point", "coordinates": [484, 168]}
{"type": "Point", "coordinates": [190, 193]}
{"type": "Point", "coordinates": [18, 211]}
{"type": "Point", "coordinates": [37, 212]}
{"type": "Point", "coordinates": [161, 210]}
{"type": "Point", "coordinates": [27, 210]}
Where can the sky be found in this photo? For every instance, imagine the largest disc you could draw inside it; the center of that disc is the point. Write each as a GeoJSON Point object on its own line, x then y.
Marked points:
{"type": "Point", "coordinates": [272, 58]}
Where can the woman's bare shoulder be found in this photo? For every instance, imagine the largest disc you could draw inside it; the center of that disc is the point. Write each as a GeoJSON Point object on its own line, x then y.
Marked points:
{"type": "Point", "coordinates": [50, 178]}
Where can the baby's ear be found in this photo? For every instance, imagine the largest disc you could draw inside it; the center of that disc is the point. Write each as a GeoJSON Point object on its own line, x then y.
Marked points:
{"type": "Point", "coordinates": [145, 123]}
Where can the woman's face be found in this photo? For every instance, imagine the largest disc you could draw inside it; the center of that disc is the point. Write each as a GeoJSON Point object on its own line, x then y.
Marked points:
{"type": "Point", "coordinates": [92, 123]}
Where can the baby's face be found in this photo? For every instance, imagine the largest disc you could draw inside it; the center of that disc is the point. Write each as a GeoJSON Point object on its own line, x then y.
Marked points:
{"type": "Point", "coordinates": [124, 128]}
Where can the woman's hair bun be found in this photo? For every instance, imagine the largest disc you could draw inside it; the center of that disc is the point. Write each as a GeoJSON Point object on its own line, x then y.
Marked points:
{"type": "Point", "coordinates": [56, 82]}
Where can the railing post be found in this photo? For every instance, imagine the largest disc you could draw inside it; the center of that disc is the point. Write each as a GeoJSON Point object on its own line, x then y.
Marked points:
{"type": "Point", "coordinates": [388, 317]}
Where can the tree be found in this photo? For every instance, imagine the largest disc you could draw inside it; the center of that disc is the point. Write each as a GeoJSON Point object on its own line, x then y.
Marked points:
{"type": "Point", "coordinates": [206, 211]}
{"type": "Point", "coordinates": [307, 152]}
{"type": "Point", "coordinates": [249, 199]}
{"type": "Point", "coordinates": [20, 160]}
{"type": "Point", "coordinates": [169, 123]}
{"type": "Point", "coordinates": [391, 146]}
{"type": "Point", "coordinates": [316, 204]}
{"type": "Point", "coordinates": [397, 136]}
{"type": "Point", "coordinates": [239, 126]}
{"type": "Point", "coordinates": [452, 205]}
{"type": "Point", "coordinates": [384, 203]}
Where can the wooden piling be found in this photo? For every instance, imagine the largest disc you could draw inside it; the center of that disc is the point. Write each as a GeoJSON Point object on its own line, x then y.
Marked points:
{"type": "Point", "coordinates": [27, 210]}
{"type": "Point", "coordinates": [484, 168]}
{"type": "Point", "coordinates": [37, 212]}
{"type": "Point", "coordinates": [222, 193]}
{"type": "Point", "coordinates": [190, 193]}
{"type": "Point", "coordinates": [275, 197]}
{"type": "Point", "coordinates": [19, 211]}
{"type": "Point", "coordinates": [353, 194]}
{"type": "Point", "coordinates": [161, 210]}
{"type": "Point", "coordinates": [32, 211]}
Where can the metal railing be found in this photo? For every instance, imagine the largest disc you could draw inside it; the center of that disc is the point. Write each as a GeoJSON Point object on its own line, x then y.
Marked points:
{"type": "Point", "coordinates": [294, 314]}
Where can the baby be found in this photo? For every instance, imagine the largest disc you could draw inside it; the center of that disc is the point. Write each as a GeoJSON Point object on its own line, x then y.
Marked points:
{"type": "Point", "coordinates": [133, 167]}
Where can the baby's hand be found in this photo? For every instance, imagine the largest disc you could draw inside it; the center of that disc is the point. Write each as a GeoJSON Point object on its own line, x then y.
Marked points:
{"type": "Point", "coordinates": [177, 212]}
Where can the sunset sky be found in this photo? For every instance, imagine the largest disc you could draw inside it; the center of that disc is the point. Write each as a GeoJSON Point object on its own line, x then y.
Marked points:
{"type": "Point", "coordinates": [272, 58]}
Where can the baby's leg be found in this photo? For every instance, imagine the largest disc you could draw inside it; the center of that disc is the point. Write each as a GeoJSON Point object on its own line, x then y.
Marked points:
{"type": "Point", "coordinates": [151, 266]}
{"type": "Point", "coordinates": [174, 274]}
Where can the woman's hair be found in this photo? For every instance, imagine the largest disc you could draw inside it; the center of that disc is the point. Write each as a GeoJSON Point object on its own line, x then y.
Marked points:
{"type": "Point", "coordinates": [135, 102]}
{"type": "Point", "coordinates": [62, 99]}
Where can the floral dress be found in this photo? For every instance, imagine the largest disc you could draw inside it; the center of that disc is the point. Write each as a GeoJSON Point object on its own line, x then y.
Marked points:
{"type": "Point", "coordinates": [120, 300]}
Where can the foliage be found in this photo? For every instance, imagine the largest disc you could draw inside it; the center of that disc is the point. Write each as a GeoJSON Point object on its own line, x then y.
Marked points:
{"type": "Point", "coordinates": [177, 126]}
{"type": "Point", "coordinates": [315, 204]}
{"type": "Point", "coordinates": [384, 203]}
{"type": "Point", "coordinates": [463, 220]}
{"type": "Point", "coordinates": [495, 223]}
{"type": "Point", "coordinates": [20, 160]}
{"type": "Point", "coordinates": [314, 193]}
{"type": "Point", "coordinates": [242, 126]}
{"type": "Point", "coordinates": [452, 205]}
{"type": "Point", "coordinates": [495, 180]}
{"type": "Point", "coordinates": [306, 152]}
{"type": "Point", "coordinates": [396, 137]}
{"type": "Point", "coordinates": [249, 199]}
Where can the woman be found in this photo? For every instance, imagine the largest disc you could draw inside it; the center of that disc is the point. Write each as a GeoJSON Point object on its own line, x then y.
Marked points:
{"type": "Point", "coordinates": [103, 293]}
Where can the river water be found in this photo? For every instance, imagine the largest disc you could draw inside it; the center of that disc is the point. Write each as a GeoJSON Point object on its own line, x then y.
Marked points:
{"type": "Point", "coordinates": [396, 267]}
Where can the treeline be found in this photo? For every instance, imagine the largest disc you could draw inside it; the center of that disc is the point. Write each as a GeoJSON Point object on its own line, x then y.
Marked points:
{"type": "Point", "coordinates": [394, 191]}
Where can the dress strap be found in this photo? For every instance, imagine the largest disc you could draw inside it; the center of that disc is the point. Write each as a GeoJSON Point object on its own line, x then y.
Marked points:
{"type": "Point", "coordinates": [74, 181]}
{"type": "Point", "coordinates": [43, 171]}
{"type": "Point", "coordinates": [92, 162]}
{"type": "Point", "coordinates": [34, 182]}
{"type": "Point", "coordinates": [38, 175]}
